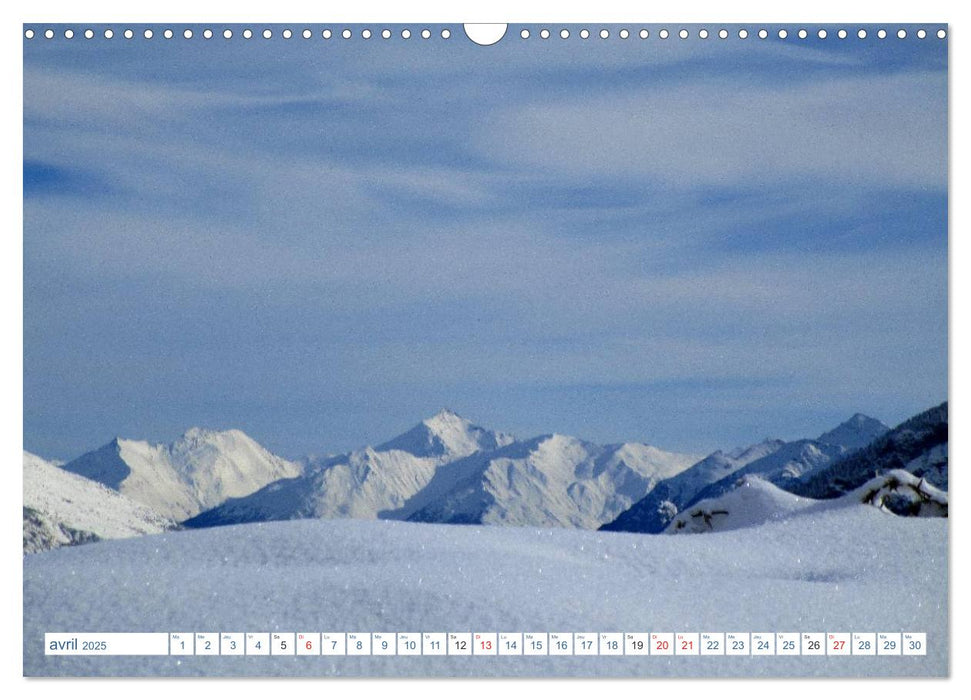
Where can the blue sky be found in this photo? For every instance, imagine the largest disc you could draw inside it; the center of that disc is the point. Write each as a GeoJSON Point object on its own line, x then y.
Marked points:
{"type": "Point", "coordinates": [695, 244]}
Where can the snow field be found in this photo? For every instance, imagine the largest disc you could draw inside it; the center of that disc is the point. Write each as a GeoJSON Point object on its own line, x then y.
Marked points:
{"type": "Point", "coordinates": [843, 569]}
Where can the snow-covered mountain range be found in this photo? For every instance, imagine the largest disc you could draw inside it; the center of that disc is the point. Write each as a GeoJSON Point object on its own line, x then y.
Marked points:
{"type": "Point", "coordinates": [363, 483]}
{"type": "Point", "coordinates": [61, 508]}
{"type": "Point", "coordinates": [448, 470]}
{"type": "Point", "coordinates": [196, 472]}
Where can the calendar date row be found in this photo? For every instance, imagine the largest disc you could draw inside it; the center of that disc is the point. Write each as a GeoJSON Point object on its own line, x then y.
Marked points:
{"type": "Point", "coordinates": [487, 644]}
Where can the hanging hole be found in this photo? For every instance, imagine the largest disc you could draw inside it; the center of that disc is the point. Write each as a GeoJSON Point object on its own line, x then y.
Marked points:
{"type": "Point", "coordinates": [486, 34]}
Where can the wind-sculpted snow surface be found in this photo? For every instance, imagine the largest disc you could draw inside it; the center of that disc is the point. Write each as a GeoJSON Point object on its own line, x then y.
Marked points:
{"type": "Point", "coordinates": [755, 501]}
{"type": "Point", "coordinates": [198, 471]}
{"type": "Point", "coordinates": [851, 568]}
{"type": "Point", "coordinates": [61, 508]}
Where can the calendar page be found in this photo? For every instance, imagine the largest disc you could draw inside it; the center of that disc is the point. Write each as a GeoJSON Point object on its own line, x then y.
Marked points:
{"type": "Point", "coordinates": [442, 350]}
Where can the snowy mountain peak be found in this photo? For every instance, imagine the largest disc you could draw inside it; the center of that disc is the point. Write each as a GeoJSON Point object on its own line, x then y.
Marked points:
{"type": "Point", "coordinates": [200, 434]}
{"type": "Point", "coordinates": [446, 434]}
{"type": "Point", "coordinates": [197, 437]}
{"type": "Point", "coordinates": [447, 422]}
{"type": "Point", "coordinates": [859, 431]}
{"type": "Point", "coordinates": [199, 470]}
{"type": "Point", "coordinates": [446, 414]}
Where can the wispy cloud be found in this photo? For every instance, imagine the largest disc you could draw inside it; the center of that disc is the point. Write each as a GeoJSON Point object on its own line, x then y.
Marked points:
{"type": "Point", "coordinates": [728, 226]}
{"type": "Point", "coordinates": [874, 131]}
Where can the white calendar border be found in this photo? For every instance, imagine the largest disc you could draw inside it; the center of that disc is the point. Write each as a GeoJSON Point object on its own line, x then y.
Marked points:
{"type": "Point", "coordinates": [11, 645]}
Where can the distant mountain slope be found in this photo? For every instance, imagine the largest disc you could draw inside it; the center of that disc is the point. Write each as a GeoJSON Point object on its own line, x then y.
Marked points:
{"type": "Point", "coordinates": [199, 470]}
{"type": "Point", "coordinates": [61, 508]}
{"type": "Point", "coordinates": [755, 501]}
{"type": "Point", "coordinates": [783, 467]}
{"type": "Point", "coordinates": [363, 483]}
{"type": "Point", "coordinates": [918, 445]}
{"type": "Point", "coordinates": [653, 512]}
{"type": "Point", "coordinates": [774, 460]}
{"type": "Point", "coordinates": [553, 480]}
